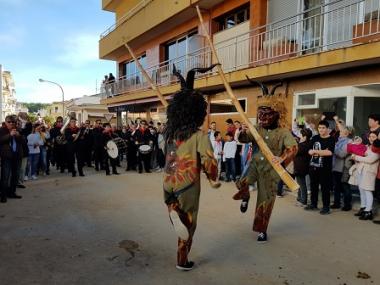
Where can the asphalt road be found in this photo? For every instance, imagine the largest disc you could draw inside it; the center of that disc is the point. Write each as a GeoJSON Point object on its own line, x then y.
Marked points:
{"type": "Point", "coordinates": [115, 230]}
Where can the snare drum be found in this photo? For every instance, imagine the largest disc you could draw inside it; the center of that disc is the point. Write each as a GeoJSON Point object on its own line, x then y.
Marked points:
{"type": "Point", "coordinates": [145, 149]}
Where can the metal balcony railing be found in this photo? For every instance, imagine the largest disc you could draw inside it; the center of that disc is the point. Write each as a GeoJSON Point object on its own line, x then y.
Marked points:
{"type": "Point", "coordinates": [335, 25]}
{"type": "Point", "coordinates": [127, 16]}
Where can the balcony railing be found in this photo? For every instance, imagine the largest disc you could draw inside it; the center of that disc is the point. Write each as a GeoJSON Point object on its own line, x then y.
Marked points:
{"type": "Point", "coordinates": [124, 18]}
{"type": "Point", "coordinates": [335, 25]}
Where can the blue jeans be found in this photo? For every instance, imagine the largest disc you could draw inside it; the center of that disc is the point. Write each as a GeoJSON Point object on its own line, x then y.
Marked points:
{"type": "Point", "coordinates": [42, 158]}
{"type": "Point", "coordinates": [230, 169]}
{"type": "Point", "coordinates": [33, 163]}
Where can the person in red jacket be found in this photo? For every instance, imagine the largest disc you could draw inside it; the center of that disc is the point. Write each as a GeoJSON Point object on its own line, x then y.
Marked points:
{"type": "Point", "coordinates": [376, 149]}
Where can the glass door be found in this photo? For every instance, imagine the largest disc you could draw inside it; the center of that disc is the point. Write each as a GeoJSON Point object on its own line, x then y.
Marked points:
{"type": "Point", "coordinates": [312, 26]}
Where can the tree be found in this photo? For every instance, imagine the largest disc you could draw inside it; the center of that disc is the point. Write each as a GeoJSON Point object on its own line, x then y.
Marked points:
{"type": "Point", "coordinates": [34, 107]}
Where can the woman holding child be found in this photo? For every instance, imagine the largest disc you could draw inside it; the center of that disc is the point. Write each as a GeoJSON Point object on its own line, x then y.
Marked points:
{"type": "Point", "coordinates": [364, 173]}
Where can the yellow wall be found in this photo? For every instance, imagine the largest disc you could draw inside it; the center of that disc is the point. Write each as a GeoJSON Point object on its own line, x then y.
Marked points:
{"type": "Point", "coordinates": [152, 15]}
{"type": "Point", "coordinates": [124, 7]}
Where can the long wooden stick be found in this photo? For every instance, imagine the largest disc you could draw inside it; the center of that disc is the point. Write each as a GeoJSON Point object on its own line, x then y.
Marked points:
{"type": "Point", "coordinates": [285, 176]}
{"type": "Point", "coordinates": [147, 77]}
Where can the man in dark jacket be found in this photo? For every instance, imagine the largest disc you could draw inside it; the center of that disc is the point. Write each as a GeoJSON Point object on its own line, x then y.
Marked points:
{"type": "Point", "coordinates": [59, 145]}
{"type": "Point", "coordinates": [88, 142]}
{"type": "Point", "coordinates": [97, 133]}
{"type": "Point", "coordinates": [144, 137]}
{"type": "Point", "coordinates": [11, 155]}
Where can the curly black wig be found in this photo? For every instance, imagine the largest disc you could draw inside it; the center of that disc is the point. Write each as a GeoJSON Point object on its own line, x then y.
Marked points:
{"type": "Point", "coordinates": [188, 109]}
{"type": "Point", "coordinates": [185, 114]}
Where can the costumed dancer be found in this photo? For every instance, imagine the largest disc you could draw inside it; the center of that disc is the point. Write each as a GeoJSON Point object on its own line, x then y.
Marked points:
{"type": "Point", "coordinates": [188, 150]}
{"type": "Point", "coordinates": [108, 135]}
{"type": "Point", "coordinates": [271, 115]}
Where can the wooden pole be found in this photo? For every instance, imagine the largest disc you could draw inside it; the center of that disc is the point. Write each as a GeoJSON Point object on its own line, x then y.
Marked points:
{"type": "Point", "coordinates": [285, 176]}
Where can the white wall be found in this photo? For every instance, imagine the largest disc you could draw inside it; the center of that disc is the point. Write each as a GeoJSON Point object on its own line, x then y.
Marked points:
{"type": "Point", "coordinates": [233, 50]}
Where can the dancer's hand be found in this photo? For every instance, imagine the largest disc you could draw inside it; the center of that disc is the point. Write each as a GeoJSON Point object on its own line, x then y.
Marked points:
{"type": "Point", "coordinates": [277, 160]}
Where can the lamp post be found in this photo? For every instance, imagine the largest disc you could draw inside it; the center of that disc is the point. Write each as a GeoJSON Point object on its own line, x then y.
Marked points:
{"type": "Point", "coordinates": [63, 94]}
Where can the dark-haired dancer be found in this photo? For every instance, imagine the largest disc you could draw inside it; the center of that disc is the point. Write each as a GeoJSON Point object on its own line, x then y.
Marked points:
{"type": "Point", "coordinates": [188, 151]}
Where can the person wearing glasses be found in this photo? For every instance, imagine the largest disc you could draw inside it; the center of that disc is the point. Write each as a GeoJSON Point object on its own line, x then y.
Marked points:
{"type": "Point", "coordinates": [11, 154]}
{"type": "Point", "coordinates": [59, 145]}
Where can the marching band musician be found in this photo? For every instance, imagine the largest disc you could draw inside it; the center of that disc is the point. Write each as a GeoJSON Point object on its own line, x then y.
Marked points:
{"type": "Point", "coordinates": [144, 137]}
{"type": "Point", "coordinates": [58, 144]}
{"type": "Point", "coordinates": [117, 132]}
{"type": "Point", "coordinates": [98, 146]}
{"type": "Point", "coordinates": [132, 148]}
{"type": "Point", "coordinates": [88, 141]}
{"type": "Point", "coordinates": [108, 135]}
{"type": "Point", "coordinates": [75, 147]}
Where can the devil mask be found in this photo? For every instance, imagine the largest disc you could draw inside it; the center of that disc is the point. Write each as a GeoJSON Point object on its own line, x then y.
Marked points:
{"type": "Point", "coordinates": [268, 118]}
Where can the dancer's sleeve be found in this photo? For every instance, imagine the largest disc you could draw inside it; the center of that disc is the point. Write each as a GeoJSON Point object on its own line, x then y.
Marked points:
{"type": "Point", "coordinates": [291, 148]}
{"type": "Point", "coordinates": [208, 161]}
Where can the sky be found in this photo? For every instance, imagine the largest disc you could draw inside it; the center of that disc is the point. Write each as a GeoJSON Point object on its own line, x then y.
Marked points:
{"type": "Point", "coordinates": [55, 40]}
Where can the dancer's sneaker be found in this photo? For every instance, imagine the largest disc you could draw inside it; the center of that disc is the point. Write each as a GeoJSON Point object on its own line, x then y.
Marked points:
{"type": "Point", "coordinates": [179, 227]}
{"type": "Point", "coordinates": [187, 267]}
{"type": "Point", "coordinates": [262, 237]}
{"type": "Point", "coordinates": [244, 206]}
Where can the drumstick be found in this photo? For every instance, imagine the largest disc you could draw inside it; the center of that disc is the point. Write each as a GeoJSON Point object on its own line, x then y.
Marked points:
{"type": "Point", "coordinates": [285, 176]}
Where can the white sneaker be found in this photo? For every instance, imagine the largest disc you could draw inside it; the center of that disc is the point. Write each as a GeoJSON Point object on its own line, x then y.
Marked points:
{"type": "Point", "coordinates": [26, 178]}
{"type": "Point", "coordinates": [179, 227]}
{"type": "Point", "coordinates": [34, 177]}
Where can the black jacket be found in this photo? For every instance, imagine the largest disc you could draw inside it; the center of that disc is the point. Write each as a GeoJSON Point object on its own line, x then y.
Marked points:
{"type": "Point", "coordinates": [5, 144]}
{"type": "Point", "coordinates": [302, 159]}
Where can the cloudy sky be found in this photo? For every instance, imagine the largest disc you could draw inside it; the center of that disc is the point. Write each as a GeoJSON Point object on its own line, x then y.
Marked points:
{"type": "Point", "coordinates": [56, 40]}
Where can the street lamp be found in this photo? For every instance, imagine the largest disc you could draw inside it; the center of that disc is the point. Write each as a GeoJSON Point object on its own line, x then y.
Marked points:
{"type": "Point", "coordinates": [63, 94]}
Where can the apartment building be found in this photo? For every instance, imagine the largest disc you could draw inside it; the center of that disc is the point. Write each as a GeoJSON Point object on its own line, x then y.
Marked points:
{"type": "Point", "coordinates": [89, 108]}
{"type": "Point", "coordinates": [8, 94]}
{"type": "Point", "coordinates": [326, 53]}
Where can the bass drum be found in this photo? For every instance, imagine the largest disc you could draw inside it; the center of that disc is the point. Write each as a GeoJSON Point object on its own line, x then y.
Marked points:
{"type": "Point", "coordinates": [120, 143]}
{"type": "Point", "coordinates": [112, 149]}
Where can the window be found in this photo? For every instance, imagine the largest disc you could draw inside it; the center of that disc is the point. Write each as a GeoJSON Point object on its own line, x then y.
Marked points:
{"type": "Point", "coordinates": [363, 107]}
{"type": "Point", "coordinates": [233, 18]}
{"type": "Point", "coordinates": [329, 106]}
{"type": "Point", "coordinates": [179, 47]}
{"type": "Point", "coordinates": [55, 109]}
{"type": "Point", "coordinates": [130, 68]}
{"type": "Point", "coordinates": [307, 99]}
{"type": "Point", "coordinates": [176, 50]}
{"type": "Point", "coordinates": [225, 106]}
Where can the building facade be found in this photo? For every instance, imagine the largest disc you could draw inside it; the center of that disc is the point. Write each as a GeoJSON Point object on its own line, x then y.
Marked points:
{"type": "Point", "coordinates": [55, 109]}
{"type": "Point", "coordinates": [9, 94]}
{"type": "Point", "coordinates": [326, 53]}
{"type": "Point", "coordinates": [89, 108]}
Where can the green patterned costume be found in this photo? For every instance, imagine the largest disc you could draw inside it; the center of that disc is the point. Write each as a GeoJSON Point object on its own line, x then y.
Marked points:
{"type": "Point", "coordinates": [282, 144]}
{"type": "Point", "coordinates": [182, 183]}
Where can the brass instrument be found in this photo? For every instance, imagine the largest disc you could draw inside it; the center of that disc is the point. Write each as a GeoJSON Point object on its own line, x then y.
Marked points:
{"type": "Point", "coordinates": [61, 140]}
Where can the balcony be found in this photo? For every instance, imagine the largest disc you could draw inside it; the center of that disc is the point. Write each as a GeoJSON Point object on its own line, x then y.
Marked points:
{"type": "Point", "coordinates": [147, 20]}
{"type": "Point", "coordinates": [338, 25]}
